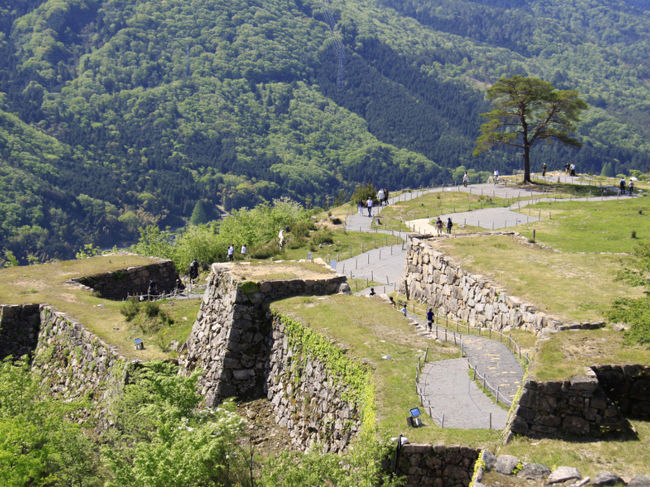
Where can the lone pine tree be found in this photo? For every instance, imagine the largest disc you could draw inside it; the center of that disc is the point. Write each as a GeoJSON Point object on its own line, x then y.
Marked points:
{"type": "Point", "coordinates": [527, 110]}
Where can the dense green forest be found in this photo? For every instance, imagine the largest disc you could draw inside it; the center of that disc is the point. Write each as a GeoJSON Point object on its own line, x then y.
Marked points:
{"type": "Point", "coordinates": [116, 114]}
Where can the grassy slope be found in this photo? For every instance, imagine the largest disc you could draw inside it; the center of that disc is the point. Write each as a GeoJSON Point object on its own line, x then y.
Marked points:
{"type": "Point", "coordinates": [594, 226]}
{"type": "Point", "coordinates": [371, 328]}
{"type": "Point", "coordinates": [45, 283]}
{"type": "Point", "coordinates": [569, 286]}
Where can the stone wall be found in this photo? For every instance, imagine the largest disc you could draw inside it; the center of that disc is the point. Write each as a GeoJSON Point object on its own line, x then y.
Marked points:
{"type": "Point", "coordinates": [628, 386]}
{"type": "Point", "coordinates": [438, 466]}
{"type": "Point", "coordinates": [132, 280]}
{"type": "Point", "coordinates": [231, 339]}
{"type": "Point", "coordinates": [19, 326]}
{"type": "Point", "coordinates": [434, 278]}
{"type": "Point", "coordinates": [307, 399]}
{"type": "Point", "coordinates": [574, 408]}
{"type": "Point", "coordinates": [235, 342]}
{"type": "Point", "coordinates": [74, 362]}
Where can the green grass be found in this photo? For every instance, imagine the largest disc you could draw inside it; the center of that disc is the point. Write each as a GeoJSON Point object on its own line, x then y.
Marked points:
{"type": "Point", "coordinates": [370, 329]}
{"type": "Point", "coordinates": [346, 245]}
{"type": "Point", "coordinates": [624, 456]}
{"type": "Point", "coordinates": [569, 286]}
{"type": "Point", "coordinates": [566, 354]}
{"type": "Point", "coordinates": [357, 285]}
{"type": "Point", "coordinates": [183, 313]}
{"type": "Point", "coordinates": [46, 284]}
{"type": "Point", "coordinates": [594, 226]}
{"type": "Point", "coordinates": [434, 204]}
{"type": "Point", "coordinates": [281, 270]}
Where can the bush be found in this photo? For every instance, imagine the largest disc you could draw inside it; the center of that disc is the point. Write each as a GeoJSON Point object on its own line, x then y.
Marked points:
{"type": "Point", "coordinates": [129, 309]}
{"type": "Point", "coordinates": [323, 237]}
{"type": "Point", "coordinates": [161, 437]}
{"type": "Point", "coordinates": [151, 309]}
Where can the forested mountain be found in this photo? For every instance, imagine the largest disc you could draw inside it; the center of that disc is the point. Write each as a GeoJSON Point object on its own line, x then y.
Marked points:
{"type": "Point", "coordinates": [120, 113]}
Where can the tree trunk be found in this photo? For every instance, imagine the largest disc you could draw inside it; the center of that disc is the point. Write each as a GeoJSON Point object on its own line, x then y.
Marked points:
{"type": "Point", "coordinates": [524, 127]}
{"type": "Point", "coordinates": [527, 164]}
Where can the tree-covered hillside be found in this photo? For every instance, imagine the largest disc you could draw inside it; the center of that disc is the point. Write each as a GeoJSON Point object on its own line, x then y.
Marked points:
{"type": "Point", "coordinates": [117, 114]}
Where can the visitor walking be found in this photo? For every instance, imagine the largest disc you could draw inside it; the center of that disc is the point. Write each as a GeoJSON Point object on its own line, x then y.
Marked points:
{"type": "Point", "coordinates": [430, 317]}
{"type": "Point", "coordinates": [496, 176]}
{"type": "Point", "coordinates": [631, 187]}
{"type": "Point", "coordinates": [369, 206]}
{"type": "Point", "coordinates": [621, 186]}
{"type": "Point", "coordinates": [194, 271]}
{"type": "Point", "coordinates": [231, 252]}
{"type": "Point", "coordinates": [439, 226]}
{"type": "Point", "coordinates": [465, 179]}
{"type": "Point", "coordinates": [243, 251]}
{"type": "Point", "coordinates": [449, 225]}
{"type": "Point", "coordinates": [380, 196]}
{"type": "Point", "coordinates": [544, 170]}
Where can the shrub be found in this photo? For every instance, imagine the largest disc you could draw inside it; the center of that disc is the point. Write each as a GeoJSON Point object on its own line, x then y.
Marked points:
{"type": "Point", "coordinates": [129, 309]}
{"type": "Point", "coordinates": [323, 236]}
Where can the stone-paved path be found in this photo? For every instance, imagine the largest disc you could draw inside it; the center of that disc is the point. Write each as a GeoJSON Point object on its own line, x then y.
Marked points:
{"type": "Point", "coordinates": [455, 400]}
{"type": "Point", "coordinates": [499, 217]}
{"type": "Point", "coordinates": [492, 358]}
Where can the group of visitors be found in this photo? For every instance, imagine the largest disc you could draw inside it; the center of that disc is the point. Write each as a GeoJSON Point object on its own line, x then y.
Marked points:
{"type": "Point", "coordinates": [621, 187]}
{"type": "Point", "coordinates": [231, 251]}
{"type": "Point", "coordinates": [381, 198]}
{"type": "Point", "coordinates": [440, 225]}
{"type": "Point", "coordinates": [570, 168]}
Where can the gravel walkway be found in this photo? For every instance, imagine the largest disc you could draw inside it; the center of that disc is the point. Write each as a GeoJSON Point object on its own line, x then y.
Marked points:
{"type": "Point", "coordinates": [454, 400]}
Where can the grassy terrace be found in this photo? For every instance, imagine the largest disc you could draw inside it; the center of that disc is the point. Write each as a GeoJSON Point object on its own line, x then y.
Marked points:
{"type": "Point", "coordinates": [593, 226]}
{"type": "Point", "coordinates": [46, 284]}
{"type": "Point", "coordinates": [370, 329]}
{"type": "Point", "coordinates": [343, 245]}
{"type": "Point", "coordinates": [570, 286]}
{"type": "Point", "coordinates": [281, 270]}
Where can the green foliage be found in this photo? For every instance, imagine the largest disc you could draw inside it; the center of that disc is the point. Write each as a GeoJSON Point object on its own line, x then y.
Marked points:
{"type": "Point", "coordinates": [257, 228]}
{"type": "Point", "coordinates": [154, 242]}
{"type": "Point", "coordinates": [162, 439]}
{"type": "Point", "coordinates": [117, 115]}
{"type": "Point", "coordinates": [526, 111]}
{"type": "Point", "coordinates": [636, 313]}
{"type": "Point", "coordinates": [249, 287]}
{"type": "Point", "coordinates": [88, 250]}
{"type": "Point", "coordinates": [39, 446]}
{"type": "Point", "coordinates": [607, 170]}
{"type": "Point", "coordinates": [324, 236]}
{"type": "Point", "coordinates": [360, 467]}
{"type": "Point", "coordinates": [362, 192]}
{"type": "Point", "coordinates": [199, 213]}
{"type": "Point", "coordinates": [129, 309]}
{"type": "Point", "coordinates": [9, 259]}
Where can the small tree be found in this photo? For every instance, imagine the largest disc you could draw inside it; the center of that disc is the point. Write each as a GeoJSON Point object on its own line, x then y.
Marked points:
{"type": "Point", "coordinates": [527, 110]}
